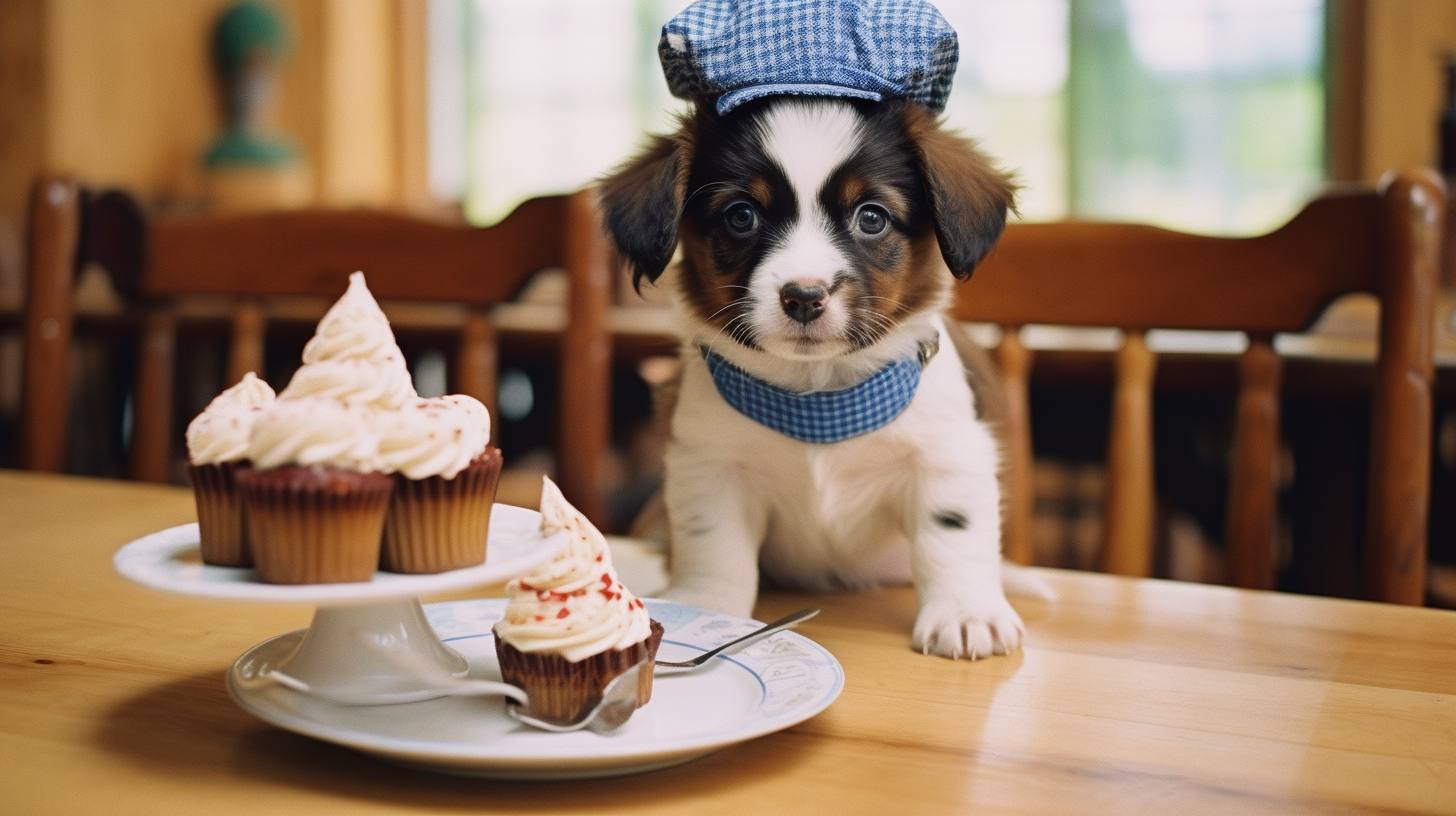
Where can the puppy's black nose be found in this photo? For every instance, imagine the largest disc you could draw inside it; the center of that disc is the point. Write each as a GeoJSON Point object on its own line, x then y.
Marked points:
{"type": "Point", "coordinates": [803, 303]}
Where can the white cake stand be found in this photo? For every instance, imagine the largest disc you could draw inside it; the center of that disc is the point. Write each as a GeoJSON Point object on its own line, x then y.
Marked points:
{"type": "Point", "coordinates": [333, 659]}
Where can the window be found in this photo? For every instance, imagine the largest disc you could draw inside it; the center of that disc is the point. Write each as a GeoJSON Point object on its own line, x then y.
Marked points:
{"type": "Point", "coordinates": [1202, 114]}
{"type": "Point", "coordinates": [550, 94]}
{"type": "Point", "coordinates": [1205, 115]}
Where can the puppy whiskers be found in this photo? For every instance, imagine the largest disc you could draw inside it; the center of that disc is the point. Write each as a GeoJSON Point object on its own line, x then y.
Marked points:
{"type": "Point", "coordinates": [737, 327]}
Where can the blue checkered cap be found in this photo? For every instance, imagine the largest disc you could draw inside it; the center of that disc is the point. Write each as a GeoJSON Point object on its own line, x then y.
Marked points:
{"type": "Point", "coordinates": [737, 50]}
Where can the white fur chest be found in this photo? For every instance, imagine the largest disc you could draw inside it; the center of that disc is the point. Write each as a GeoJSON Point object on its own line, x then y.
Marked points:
{"type": "Point", "coordinates": [838, 514]}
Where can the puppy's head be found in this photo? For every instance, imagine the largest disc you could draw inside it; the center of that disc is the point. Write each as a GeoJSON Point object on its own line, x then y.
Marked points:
{"type": "Point", "coordinates": [810, 227]}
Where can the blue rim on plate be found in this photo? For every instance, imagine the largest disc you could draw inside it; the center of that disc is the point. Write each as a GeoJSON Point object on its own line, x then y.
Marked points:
{"type": "Point", "coordinates": [771, 685]}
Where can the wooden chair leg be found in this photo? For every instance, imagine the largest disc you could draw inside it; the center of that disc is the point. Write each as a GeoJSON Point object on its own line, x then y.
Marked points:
{"type": "Point", "coordinates": [55, 224]}
{"type": "Point", "coordinates": [1394, 569]}
{"type": "Point", "coordinates": [1250, 527]}
{"type": "Point", "coordinates": [151, 435]}
{"type": "Point", "coordinates": [1127, 547]}
{"type": "Point", "coordinates": [477, 365]}
{"type": "Point", "coordinates": [1014, 360]}
{"type": "Point", "coordinates": [250, 326]}
{"type": "Point", "coordinates": [586, 361]}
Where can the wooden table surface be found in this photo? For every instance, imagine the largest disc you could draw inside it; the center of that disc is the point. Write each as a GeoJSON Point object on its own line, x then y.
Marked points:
{"type": "Point", "coordinates": [1131, 696]}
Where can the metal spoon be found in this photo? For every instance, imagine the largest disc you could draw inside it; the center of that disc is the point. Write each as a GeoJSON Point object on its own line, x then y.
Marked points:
{"type": "Point", "coordinates": [619, 700]}
{"type": "Point", "coordinates": [786, 622]}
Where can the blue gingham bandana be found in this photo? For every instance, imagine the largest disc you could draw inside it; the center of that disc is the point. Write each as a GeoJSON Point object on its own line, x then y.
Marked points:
{"type": "Point", "coordinates": [820, 416]}
{"type": "Point", "coordinates": [737, 50]}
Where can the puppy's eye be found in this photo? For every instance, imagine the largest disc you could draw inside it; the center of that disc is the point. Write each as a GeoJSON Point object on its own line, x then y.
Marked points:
{"type": "Point", "coordinates": [740, 218]}
{"type": "Point", "coordinates": [871, 219]}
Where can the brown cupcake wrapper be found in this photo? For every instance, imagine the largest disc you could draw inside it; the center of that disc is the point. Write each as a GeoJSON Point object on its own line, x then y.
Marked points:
{"type": "Point", "coordinates": [221, 522]}
{"type": "Point", "coordinates": [560, 690]}
{"type": "Point", "coordinates": [314, 525]}
{"type": "Point", "coordinates": [437, 524]}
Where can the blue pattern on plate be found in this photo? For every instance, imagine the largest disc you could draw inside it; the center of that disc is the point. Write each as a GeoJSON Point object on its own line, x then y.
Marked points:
{"type": "Point", "coordinates": [792, 670]}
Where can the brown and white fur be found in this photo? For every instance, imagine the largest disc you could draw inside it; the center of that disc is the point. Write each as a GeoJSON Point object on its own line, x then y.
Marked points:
{"type": "Point", "coordinates": [820, 240]}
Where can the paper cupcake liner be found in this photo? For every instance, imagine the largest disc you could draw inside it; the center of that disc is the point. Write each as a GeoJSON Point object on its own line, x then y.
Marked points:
{"type": "Point", "coordinates": [314, 525]}
{"type": "Point", "coordinates": [560, 690]}
{"type": "Point", "coordinates": [220, 519]}
{"type": "Point", "coordinates": [437, 524]}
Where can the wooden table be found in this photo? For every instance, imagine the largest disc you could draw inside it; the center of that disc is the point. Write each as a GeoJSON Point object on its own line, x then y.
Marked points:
{"type": "Point", "coordinates": [1132, 696]}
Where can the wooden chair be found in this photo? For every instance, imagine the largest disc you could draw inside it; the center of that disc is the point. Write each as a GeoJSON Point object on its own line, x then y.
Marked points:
{"type": "Point", "coordinates": [1136, 278]}
{"type": "Point", "coordinates": [311, 253]}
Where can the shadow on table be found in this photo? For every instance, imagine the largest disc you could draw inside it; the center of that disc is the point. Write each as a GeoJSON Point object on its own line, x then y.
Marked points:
{"type": "Point", "coordinates": [190, 729]}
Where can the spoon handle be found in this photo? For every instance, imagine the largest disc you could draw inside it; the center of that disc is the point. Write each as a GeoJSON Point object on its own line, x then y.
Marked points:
{"type": "Point", "coordinates": [732, 646]}
{"type": "Point", "coordinates": [430, 674]}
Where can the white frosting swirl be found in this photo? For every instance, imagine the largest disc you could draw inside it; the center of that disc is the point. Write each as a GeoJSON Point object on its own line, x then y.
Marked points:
{"type": "Point", "coordinates": [385, 384]}
{"type": "Point", "coordinates": [352, 355]}
{"type": "Point", "coordinates": [573, 605]}
{"type": "Point", "coordinates": [354, 327]}
{"type": "Point", "coordinates": [220, 433]}
{"type": "Point", "coordinates": [313, 431]}
{"type": "Point", "coordinates": [433, 437]}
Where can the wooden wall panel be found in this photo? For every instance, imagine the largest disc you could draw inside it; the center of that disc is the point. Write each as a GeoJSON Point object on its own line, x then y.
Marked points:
{"type": "Point", "coordinates": [22, 100]}
{"type": "Point", "coordinates": [121, 93]}
{"type": "Point", "coordinates": [357, 158]}
{"type": "Point", "coordinates": [411, 81]}
{"type": "Point", "coordinates": [129, 94]}
{"type": "Point", "coordinates": [1405, 41]}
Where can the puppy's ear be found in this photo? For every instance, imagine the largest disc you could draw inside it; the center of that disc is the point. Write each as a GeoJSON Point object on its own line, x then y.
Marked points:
{"type": "Point", "coordinates": [642, 204]}
{"type": "Point", "coordinates": [968, 196]}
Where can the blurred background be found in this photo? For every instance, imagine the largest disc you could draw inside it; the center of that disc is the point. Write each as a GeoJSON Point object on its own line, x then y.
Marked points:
{"type": "Point", "coordinates": [1216, 116]}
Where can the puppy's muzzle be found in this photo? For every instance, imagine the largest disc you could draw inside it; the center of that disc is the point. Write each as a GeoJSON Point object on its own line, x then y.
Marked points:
{"type": "Point", "coordinates": [803, 303]}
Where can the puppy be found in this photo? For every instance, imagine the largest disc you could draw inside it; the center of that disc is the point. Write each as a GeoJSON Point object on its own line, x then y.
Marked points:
{"type": "Point", "coordinates": [820, 242]}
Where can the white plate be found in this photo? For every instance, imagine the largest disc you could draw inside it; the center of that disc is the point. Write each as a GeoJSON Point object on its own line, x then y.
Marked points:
{"type": "Point", "coordinates": [771, 685]}
{"type": "Point", "coordinates": [168, 560]}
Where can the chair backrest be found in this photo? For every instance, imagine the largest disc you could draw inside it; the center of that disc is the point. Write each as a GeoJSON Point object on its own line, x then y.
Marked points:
{"type": "Point", "coordinates": [311, 253]}
{"type": "Point", "coordinates": [1137, 278]}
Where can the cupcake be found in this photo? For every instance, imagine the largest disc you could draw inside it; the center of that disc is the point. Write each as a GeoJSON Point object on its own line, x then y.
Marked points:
{"type": "Point", "coordinates": [315, 494]}
{"type": "Point", "coordinates": [317, 491]}
{"type": "Point", "coordinates": [217, 444]}
{"type": "Point", "coordinates": [445, 474]}
{"type": "Point", "coordinates": [570, 626]}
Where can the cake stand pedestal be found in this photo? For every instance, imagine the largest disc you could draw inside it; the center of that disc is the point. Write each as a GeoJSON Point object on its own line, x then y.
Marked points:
{"type": "Point", "coordinates": [363, 636]}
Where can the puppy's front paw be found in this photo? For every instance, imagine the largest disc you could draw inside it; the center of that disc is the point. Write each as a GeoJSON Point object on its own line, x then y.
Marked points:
{"type": "Point", "coordinates": [956, 629]}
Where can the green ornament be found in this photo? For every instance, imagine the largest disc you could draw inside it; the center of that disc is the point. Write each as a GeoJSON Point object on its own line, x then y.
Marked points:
{"type": "Point", "coordinates": [248, 42]}
{"type": "Point", "coordinates": [246, 31]}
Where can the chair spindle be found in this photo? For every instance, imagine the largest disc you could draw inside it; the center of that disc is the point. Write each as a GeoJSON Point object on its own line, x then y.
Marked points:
{"type": "Point", "coordinates": [1128, 523]}
{"type": "Point", "coordinates": [55, 224]}
{"type": "Point", "coordinates": [1015, 361]}
{"type": "Point", "coordinates": [1412, 211]}
{"type": "Point", "coordinates": [586, 358]}
{"type": "Point", "coordinates": [250, 325]}
{"type": "Point", "coordinates": [151, 434]}
{"type": "Point", "coordinates": [1252, 513]}
{"type": "Point", "coordinates": [477, 365]}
